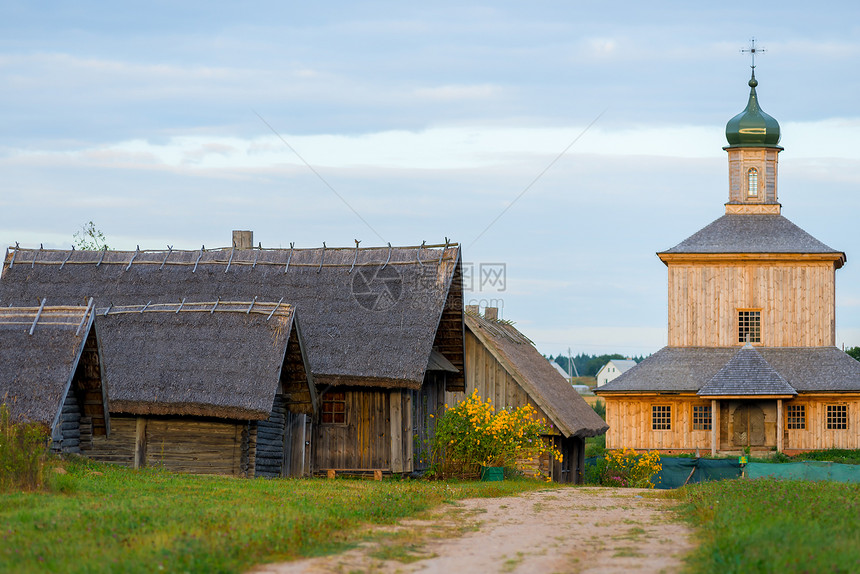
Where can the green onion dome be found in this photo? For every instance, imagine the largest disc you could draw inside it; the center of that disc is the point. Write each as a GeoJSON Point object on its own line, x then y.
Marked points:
{"type": "Point", "coordinates": [752, 127]}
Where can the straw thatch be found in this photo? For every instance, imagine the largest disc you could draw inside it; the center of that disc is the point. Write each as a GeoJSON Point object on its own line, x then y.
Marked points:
{"type": "Point", "coordinates": [40, 348]}
{"type": "Point", "coordinates": [371, 316]}
{"type": "Point", "coordinates": [216, 359]}
{"type": "Point", "coordinates": [551, 391]}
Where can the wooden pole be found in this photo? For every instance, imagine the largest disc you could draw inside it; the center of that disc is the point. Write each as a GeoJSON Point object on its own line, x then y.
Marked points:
{"type": "Point", "coordinates": [715, 423]}
{"type": "Point", "coordinates": [779, 426]}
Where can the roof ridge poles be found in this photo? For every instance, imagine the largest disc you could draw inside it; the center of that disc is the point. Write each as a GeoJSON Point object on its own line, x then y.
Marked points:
{"type": "Point", "coordinates": [101, 258]}
{"type": "Point", "coordinates": [38, 314]}
{"type": "Point", "coordinates": [418, 253]}
{"type": "Point", "coordinates": [389, 257]}
{"type": "Point", "coordinates": [444, 249]}
{"type": "Point", "coordinates": [248, 312]}
{"type": "Point", "coordinates": [322, 258]}
{"type": "Point", "coordinates": [90, 306]}
{"type": "Point", "coordinates": [278, 304]}
{"type": "Point", "coordinates": [33, 264]}
{"type": "Point", "coordinates": [289, 257]}
{"type": "Point", "coordinates": [169, 251]}
{"type": "Point", "coordinates": [199, 255]}
{"type": "Point", "coordinates": [136, 252]}
{"type": "Point", "coordinates": [63, 264]}
{"type": "Point", "coordinates": [232, 251]}
{"type": "Point", "coordinates": [181, 303]}
{"type": "Point", "coordinates": [14, 253]}
{"type": "Point", "coordinates": [355, 257]}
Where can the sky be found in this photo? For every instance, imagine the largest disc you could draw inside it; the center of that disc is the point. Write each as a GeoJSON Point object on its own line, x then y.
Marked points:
{"type": "Point", "coordinates": [562, 144]}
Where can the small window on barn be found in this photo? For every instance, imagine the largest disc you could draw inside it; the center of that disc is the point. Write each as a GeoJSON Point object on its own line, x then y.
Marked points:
{"type": "Point", "coordinates": [837, 417]}
{"type": "Point", "coordinates": [661, 417]}
{"type": "Point", "coordinates": [796, 417]}
{"type": "Point", "coordinates": [752, 182]}
{"type": "Point", "coordinates": [334, 408]}
{"type": "Point", "coordinates": [701, 417]}
{"type": "Point", "coordinates": [749, 325]}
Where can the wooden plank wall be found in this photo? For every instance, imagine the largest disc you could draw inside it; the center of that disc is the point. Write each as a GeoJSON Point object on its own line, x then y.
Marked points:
{"type": "Point", "coordinates": [816, 435]}
{"type": "Point", "coordinates": [363, 442]}
{"type": "Point", "coordinates": [797, 302]}
{"type": "Point", "coordinates": [177, 444]}
{"type": "Point", "coordinates": [429, 400]}
{"type": "Point", "coordinates": [629, 421]}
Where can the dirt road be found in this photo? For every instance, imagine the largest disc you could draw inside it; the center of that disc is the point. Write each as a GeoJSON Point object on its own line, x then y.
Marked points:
{"type": "Point", "coordinates": [581, 530]}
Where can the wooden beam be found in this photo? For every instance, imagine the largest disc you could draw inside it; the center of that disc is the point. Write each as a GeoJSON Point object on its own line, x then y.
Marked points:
{"type": "Point", "coordinates": [715, 423]}
{"type": "Point", "coordinates": [396, 426]}
{"type": "Point", "coordinates": [140, 443]}
{"type": "Point", "coordinates": [780, 427]}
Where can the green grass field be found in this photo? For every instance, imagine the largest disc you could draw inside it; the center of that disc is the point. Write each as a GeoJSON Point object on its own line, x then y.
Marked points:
{"type": "Point", "coordinates": [143, 521]}
{"type": "Point", "coordinates": [773, 526]}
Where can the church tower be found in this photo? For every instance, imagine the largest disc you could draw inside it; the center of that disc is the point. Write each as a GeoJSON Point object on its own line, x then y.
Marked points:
{"type": "Point", "coordinates": [751, 360]}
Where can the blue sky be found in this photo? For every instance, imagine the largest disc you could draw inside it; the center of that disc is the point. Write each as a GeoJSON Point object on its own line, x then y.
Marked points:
{"type": "Point", "coordinates": [429, 122]}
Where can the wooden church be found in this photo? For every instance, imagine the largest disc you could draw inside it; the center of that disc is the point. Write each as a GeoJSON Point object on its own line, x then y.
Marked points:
{"type": "Point", "coordinates": [751, 361]}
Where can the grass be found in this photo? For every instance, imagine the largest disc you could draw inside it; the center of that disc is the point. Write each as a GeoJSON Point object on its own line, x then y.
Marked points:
{"type": "Point", "coordinates": [768, 525]}
{"type": "Point", "coordinates": [101, 518]}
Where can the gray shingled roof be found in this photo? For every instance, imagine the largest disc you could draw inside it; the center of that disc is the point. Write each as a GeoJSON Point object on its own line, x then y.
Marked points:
{"type": "Point", "coordinates": [747, 373]}
{"type": "Point", "coordinates": [734, 233]}
{"type": "Point", "coordinates": [688, 369]}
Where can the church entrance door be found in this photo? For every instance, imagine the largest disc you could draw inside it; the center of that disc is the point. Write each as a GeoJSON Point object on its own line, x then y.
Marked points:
{"type": "Point", "coordinates": [748, 426]}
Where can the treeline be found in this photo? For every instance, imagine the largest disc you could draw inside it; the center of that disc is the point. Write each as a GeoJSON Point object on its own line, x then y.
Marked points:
{"type": "Point", "coordinates": [588, 365]}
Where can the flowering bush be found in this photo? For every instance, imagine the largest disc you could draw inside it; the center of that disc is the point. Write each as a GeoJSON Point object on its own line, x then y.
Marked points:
{"type": "Point", "coordinates": [473, 434]}
{"type": "Point", "coordinates": [629, 469]}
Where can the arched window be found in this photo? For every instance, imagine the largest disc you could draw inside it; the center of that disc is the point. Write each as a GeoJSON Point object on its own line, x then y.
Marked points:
{"type": "Point", "coordinates": [752, 182]}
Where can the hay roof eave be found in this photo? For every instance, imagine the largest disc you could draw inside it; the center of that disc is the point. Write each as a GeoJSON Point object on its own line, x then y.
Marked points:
{"type": "Point", "coordinates": [551, 391]}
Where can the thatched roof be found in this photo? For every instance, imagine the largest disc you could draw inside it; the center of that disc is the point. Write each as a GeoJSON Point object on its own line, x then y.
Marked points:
{"type": "Point", "coordinates": [689, 369]}
{"type": "Point", "coordinates": [370, 316]}
{"type": "Point", "coordinates": [741, 233]}
{"type": "Point", "coordinates": [40, 348]}
{"type": "Point", "coordinates": [551, 391]}
{"type": "Point", "coordinates": [217, 359]}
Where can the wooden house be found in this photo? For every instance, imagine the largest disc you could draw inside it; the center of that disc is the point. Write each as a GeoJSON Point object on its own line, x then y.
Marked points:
{"type": "Point", "coordinates": [373, 320]}
{"type": "Point", "coordinates": [217, 387]}
{"type": "Point", "coordinates": [49, 373]}
{"type": "Point", "coordinates": [503, 364]}
{"type": "Point", "coordinates": [751, 361]}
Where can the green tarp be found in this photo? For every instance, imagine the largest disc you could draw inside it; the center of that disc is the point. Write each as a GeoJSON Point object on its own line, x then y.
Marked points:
{"type": "Point", "coordinates": [806, 470]}
{"type": "Point", "coordinates": [680, 471]}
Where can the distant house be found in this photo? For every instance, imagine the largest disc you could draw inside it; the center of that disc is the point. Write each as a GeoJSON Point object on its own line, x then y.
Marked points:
{"type": "Point", "coordinates": [504, 365]}
{"type": "Point", "coordinates": [375, 322]}
{"type": "Point", "coordinates": [49, 373]}
{"type": "Point", "coordinates": [559, 370]}
{"type": "Point", "coordinates": [613, 369]}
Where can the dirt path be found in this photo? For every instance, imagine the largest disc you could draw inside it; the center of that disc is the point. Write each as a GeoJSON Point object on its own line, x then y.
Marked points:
{"type": "Point", "coordinates": [582, 530]}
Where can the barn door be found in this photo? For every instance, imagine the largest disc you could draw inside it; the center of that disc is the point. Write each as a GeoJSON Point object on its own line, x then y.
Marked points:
{"type": "Point", "coordinates": [748, 426]}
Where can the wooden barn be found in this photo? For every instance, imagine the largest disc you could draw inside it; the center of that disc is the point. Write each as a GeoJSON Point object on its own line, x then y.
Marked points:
{"type": "Point", "coordinates": [49, 373]}
{"type": "Point", "coordinates": [217, 387]}
{"type": "Point", "coordinates": [751, 361]}
{"type": "Point", "coordinates": [382, 327]}
{"type": "Point", "coordinates": [504, 365]}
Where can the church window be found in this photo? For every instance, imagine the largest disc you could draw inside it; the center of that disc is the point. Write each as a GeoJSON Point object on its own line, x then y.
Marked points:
{"type": "Point", "coordinates": [661, 417]}
{"type": "Point", "coordinates": [837, 417]}
{"type": "Point", "coordinates": [701, 417]}
{"type": "Point", "coordinates": [334, 408]}
{"type": "Point", "coordinates": [796, 417]}
{"type": "Point", "coordinates": [749, 325]}
{"type": "Point", "coordinates": [752, 182]}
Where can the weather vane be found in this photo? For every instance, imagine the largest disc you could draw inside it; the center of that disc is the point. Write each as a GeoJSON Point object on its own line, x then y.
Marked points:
{"type": "Point", "coordinates": [752, 51]}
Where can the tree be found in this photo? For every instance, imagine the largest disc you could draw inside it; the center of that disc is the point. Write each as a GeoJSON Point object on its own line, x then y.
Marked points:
{"type": "Point", "coordinates": [854, 352]}
{"type": "Point", "coordinates": [90, 238]}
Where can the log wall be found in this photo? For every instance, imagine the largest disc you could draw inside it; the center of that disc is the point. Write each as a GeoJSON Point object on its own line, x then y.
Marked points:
{"type": "Point", "coordinates": [179, 444]}
{"type": "Point", "coordinates": [816, 436]}
{"type": "Point", "coordinates": [797, 303]}
{"type": "Point", "coordinates": [629, 420]}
